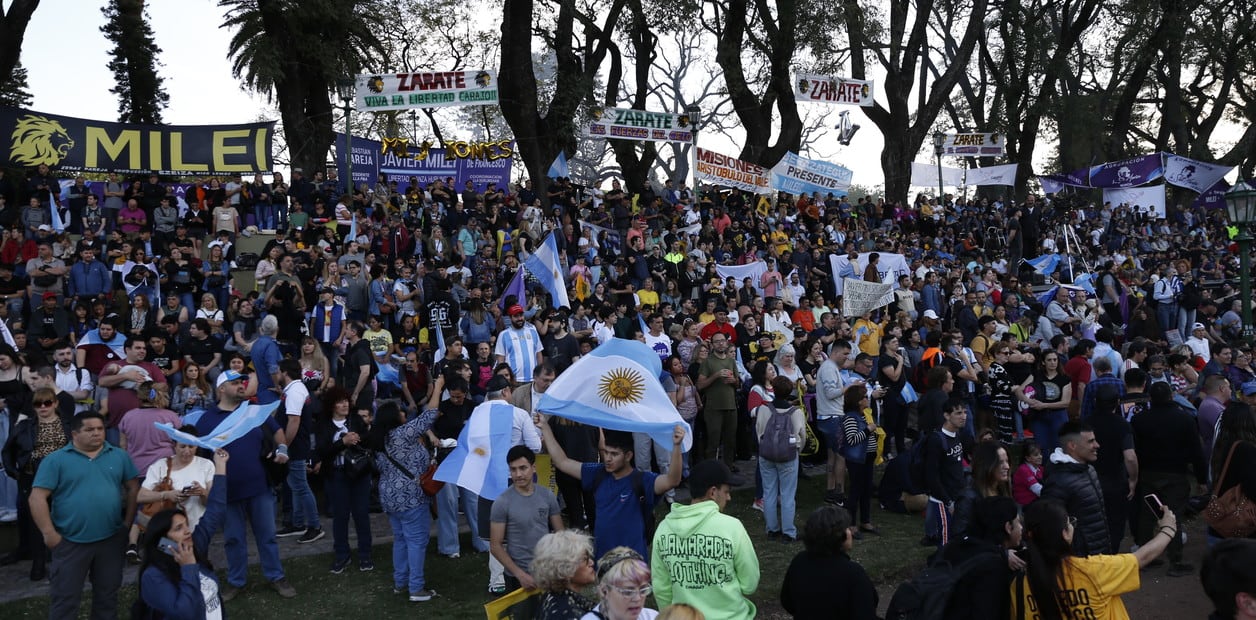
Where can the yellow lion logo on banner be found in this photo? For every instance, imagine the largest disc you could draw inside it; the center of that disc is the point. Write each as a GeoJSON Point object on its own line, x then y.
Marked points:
{"type": "Point", "coordinates": [38, 140]}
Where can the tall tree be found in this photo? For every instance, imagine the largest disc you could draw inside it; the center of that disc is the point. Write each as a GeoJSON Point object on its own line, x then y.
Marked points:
{"type": "Point", "coordinates": [13, 22]}
{"type": "Point", "coordinates": [15, 91]}
{"type": "Point", "coordinates": [294, 52]}
{"type": "Point", "coordinates": [133, 61]}
{"type": "Point", "coordinates": [900, 55]}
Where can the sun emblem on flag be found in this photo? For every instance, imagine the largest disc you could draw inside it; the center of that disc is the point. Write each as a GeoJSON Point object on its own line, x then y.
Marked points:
{"type": "Point", "coordinates": [620, 387]}
{"type": "Point", "coordinates": [480, 451]}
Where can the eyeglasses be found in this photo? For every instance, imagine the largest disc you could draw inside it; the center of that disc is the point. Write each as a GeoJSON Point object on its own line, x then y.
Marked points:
{"type": "Point", "coordinates": [45, 403]}
{"type": "Point", "coordinates": [642, 592]}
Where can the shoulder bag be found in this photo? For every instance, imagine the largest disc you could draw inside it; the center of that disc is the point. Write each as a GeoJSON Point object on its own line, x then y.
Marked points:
{"type": "Point", "coordinates": [1231, 514]}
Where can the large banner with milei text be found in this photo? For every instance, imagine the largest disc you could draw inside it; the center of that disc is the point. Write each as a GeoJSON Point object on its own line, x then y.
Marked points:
{"type": "Point", "coordinates": [81, 145]}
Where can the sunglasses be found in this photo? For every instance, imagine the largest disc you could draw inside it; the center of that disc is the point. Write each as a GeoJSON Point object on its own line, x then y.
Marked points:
{"type": "Point", "coordinates": [45, 403]}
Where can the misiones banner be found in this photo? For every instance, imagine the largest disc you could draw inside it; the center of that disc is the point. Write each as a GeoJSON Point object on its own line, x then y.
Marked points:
{"type": "Point", "coordinates": [82, 145]}
{"type": "Point", "coordinates": [728, 171]}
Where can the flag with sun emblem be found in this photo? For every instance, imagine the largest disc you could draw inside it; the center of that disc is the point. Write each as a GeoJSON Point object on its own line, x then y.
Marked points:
{"type": "Point", "coordinates": [617, 386]}
{"type": "Point", "coordinates": [478, 464]}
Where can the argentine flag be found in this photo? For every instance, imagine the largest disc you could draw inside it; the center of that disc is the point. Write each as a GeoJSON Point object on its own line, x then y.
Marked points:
{"type": "Point", "coordinates": [478, 464]}
{"type": "Point", "coordinates": [617, 387]}
{"type": "Point", "coordinates": [93, 337]}
{"type": "Point", "coordinates": [245, 418]}
{"type": "Point", "coordinates": [1045, 264]}
{"type": "Point", "coordinates": [559, 168]}
{"type": "Point", "coordinates": [1086, 282]}
{"type": "Point", "coordinates": [544, 265]}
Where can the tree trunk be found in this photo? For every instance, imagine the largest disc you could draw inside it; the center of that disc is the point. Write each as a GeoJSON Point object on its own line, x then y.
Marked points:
{"type": "Point", "coordinates": [12, 30]}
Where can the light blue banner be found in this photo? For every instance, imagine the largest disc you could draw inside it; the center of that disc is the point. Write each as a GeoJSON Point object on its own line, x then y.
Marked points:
{"type": "Point", "coordinates": [796, 175]}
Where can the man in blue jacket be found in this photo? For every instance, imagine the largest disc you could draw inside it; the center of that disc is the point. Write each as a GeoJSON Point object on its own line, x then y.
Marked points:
{"type": "Point", "coordinates": [89, 278]}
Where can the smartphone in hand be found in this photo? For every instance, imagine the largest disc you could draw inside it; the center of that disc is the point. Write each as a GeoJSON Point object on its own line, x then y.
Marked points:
{"type": "Point", "coordinates": [1153, 502]}
{"type": "Point", "coordinates": [168, 546]}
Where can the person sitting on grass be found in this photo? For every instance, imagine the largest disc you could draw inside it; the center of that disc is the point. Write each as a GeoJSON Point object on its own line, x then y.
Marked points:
{"type": "Point", "coordinates": [176, 579]}
{"type": "Point", "coordinates": [822, 581]}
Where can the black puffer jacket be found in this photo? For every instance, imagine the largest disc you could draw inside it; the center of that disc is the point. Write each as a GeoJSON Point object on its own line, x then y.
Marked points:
{"type": "Point", "coordinates": [1076, 485]}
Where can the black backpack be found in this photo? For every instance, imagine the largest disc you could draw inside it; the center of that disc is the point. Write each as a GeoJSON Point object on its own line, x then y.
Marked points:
{"type": "Point", "coordinates": [638, 491]}
{"type": "Point", "coordinates": [927, 595]}
{"type": "Point", "coordinates": [916, 463]}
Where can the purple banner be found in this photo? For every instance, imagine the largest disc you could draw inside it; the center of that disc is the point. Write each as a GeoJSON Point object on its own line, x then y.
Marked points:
{"type": "Point", "coordinates": [1076, 178]}
{"type": "Point", "coordinates": [1213, 197]}
{"type": "Point", "coordinates": [368, 159]}
{"type": "Point", "coordinates": [1128, 172]}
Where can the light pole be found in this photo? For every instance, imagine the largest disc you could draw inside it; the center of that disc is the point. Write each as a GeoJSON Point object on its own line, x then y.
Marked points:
{"type": "Point", "coordinates": [1240, 204]}
{"type": "Point", "coordinates": [939, 139]}
{"type": "Point", "coordinates": [414, 126]}
{"type": "Point", "coordinates": [694, 111]}
{"type": "Point", "coordinates": [344, 88]}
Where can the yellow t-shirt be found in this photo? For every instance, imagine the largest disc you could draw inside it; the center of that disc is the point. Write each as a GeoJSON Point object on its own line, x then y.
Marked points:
{"type": "Point", "coordinates": [649, 298]}
{"type": "Point", "coordinates": [1093, 588]}
{"type": "Point", "coordinates": [869, 336]}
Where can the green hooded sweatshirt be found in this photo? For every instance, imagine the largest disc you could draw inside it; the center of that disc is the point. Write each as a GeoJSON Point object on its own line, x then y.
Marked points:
{"type": "Point", "coordinates": [704, 558]}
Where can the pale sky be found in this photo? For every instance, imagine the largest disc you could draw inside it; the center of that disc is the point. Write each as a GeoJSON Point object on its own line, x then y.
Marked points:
{"type": "Point", "coordinates": [66, 55]}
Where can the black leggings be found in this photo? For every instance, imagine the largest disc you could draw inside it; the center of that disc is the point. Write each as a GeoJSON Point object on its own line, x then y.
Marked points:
{"type": "Point", "coordinates": [894, 421]}
{"type": "Point", "coordinates": [859, 501]}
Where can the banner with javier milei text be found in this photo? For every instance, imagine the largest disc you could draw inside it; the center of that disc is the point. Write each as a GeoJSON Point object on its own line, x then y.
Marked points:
{"type": "Point", "coordinates": [82, 145]}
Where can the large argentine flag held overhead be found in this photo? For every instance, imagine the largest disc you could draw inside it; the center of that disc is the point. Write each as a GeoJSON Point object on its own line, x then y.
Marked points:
{"type": "Point", "coordinates": [478, 464]}
{"type": "Point", "coordinates": [245, 418]}
{"type": "Point", "coordinates": [545, 267]}
{"type": "Point", "coordinates": [617, 387]}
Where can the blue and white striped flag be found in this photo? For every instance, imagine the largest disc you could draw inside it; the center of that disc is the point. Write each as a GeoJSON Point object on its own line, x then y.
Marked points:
{"type": "Point", "coordinates": [1045, 264]}
{"type": "Point", "coordinates": [616, 386]}
{"type": "Point", "coordinates": [478, 464]}
{"type": "Point", "coordinates": [57, 224]}
{"type": "Point", "coordinates": [245, 418]}
{"type": "Point", "coordinates": [115, 344]}
{"type": "Point", "coordinates": [1086, 282]}
{"type": "Point", "coordinates": [545, 266]}
{"type": "Point", "coordinates": [559, 168]}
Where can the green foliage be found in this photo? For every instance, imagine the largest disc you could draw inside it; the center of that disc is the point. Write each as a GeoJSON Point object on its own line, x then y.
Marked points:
{"type": "Point", "coordinates": [133, 61]}
{"type": "Point", "coordinates": [15, 91]}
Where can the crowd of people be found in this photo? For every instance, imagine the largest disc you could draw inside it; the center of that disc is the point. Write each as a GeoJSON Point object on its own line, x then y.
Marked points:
{"type": "Point", "coordinates": [388, 320]}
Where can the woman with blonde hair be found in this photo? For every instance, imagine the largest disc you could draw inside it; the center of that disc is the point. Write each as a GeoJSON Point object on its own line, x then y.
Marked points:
{"type": "Point", "coordinates": [623, 582]}
{"type": "Point", "coordinates": [563, 563]}
{"type": "Point", "coordinates": [680, 611]}
{"type": "Point", "coordinates": [315, 368]}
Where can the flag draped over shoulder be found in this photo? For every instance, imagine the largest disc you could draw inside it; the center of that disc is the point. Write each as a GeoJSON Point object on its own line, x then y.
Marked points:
{"type": "Point", "coordinates": [245, 418]}
{"type": "Point", "coordinates": [583, 290]}
{"type": "Point", "coordinates": [617, 387]}
{"type": "Point", "coordinates": [544, 265]}
{"type": "Point", "coordinates": [478, 464]}
{"type": "Point", "coordinates": [93, 337]}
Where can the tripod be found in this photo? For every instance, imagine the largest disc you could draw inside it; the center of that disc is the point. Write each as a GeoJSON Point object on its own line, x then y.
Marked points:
{"type": "Point", "coordinates": [1072, 248]}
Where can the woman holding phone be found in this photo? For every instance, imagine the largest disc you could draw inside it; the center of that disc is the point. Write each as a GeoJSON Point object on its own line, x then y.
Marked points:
{"type": "Point", "coordinates": [176, 579]}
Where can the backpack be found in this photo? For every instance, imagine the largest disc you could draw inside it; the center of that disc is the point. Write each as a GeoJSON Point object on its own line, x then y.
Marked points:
{"type": "Point", "coordinates": [638, 490]}
{"type": "Point", "coordinates": [916, 464]}
{"type": "Point", "coordinates": [779, 443]}
{"type": "Point", "coordinates": [920, 374]}
{"type": "Point", "coordinates": [927, 595]}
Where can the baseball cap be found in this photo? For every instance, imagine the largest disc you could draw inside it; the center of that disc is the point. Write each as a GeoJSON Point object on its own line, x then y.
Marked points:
{"type": "Point", "coordinates": [1249, 388]}
{"type": "Point", "coordinates": [514, 310]}
{"type": "Point", "coordinates": [49, 295]}
{"type": "Point", "coordinates": [1198, 326]}
{"type": "Point", "coordinates": [930, 314]}
{"type": "Point", "coordinates": [228, 375]}
{"type": "Point", "coordinates": [45, 228]}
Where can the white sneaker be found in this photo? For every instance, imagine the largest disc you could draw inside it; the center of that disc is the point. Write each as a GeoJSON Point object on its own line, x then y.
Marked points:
{"type": "Point", "coordinates": [422, 596]}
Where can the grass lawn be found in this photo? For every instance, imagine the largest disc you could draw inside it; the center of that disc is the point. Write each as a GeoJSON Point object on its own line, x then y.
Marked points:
{"type": "Point", "coordinates": [461, 583]}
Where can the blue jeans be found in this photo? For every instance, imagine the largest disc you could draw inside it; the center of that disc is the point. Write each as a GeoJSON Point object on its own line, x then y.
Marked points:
{"type": "Point", "coordinates": [304, 506]}
{"type": "Point", "coordinates": [447, 501]}
{"type": "Point", "coordinates": [1046, 427]}
{"type": "Point", "coordinates": [266, 215]}
{"type": "Point", "coordinates": [411, 531]}
{"type": "Point", "coordinates": [1167, 315]}
{"type": "Point", "coordinates": [349, 497]}
{"type": "Point", "coordinates": [780, 484]}
{"type": "Point", "coordinates": [831, 428]}
{"type": "Point", "coordinates": [258, 511]}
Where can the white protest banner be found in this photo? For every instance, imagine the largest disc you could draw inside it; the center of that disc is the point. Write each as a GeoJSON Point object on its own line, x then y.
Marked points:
{"type": "Point", "coordinates": [738, 273]}
{"type": "Point", "coordinates": [612, 240]}
{"type": "Point", "coordinates": [863, 297]}
{"type": "Point", "coordinates": [720, 169]}
{"type": "Point", "coordinates": [926, 175]}
{"type": "Point", "coordinates": [889, 267]}
{"type": "Point", "coordinates": [795, 175]}
{"type": "Point", "coordinates": [377, 92]}
{"type": "Point", "coordinates": [992, 175]}
{"type": "Point", "coordinates": [1143, 199]}
{"type": "Point", "coordinates": [1192, 174]}
{"type": "Point", "coordinates": [974, 144]}
{"type": "Point", "coordinates": [626, 124]}
{"type": "Point", "coordinates": [834, 90]}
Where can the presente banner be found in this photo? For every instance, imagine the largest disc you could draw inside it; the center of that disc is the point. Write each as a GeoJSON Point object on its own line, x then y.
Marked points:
{"type": "Point", "coordinates": [727, 171]}
{"type": "Point", "coordinates": [434, 167]}
{"type": "Point", "coordinates": [1142, 199]}
{"type": "Point", "coordinates": [627, 124]}
{"type": "Point", "coordinates": [377, 92]}
{"type": "Point", "coordinates": [1192, 174]}
{"type": "Point", "coordinates": [859, 297]}
{"type": "Point", "coordinates": [992, 175]}
{"type": "Point", "coordinates": [80, 145]}
{"type": "Point", "coordinates": [889, 267]}
{"type": "Point", "coordinates": [926, 175]}
{"type": "Point", "coordinates": [974, 144]}
{"type": "Point", "coordinates": [796, 175]}
{"type": "Point", "coordinates": [1127, 172]}
{"type": "Point", "coordinates": [834, 90]}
